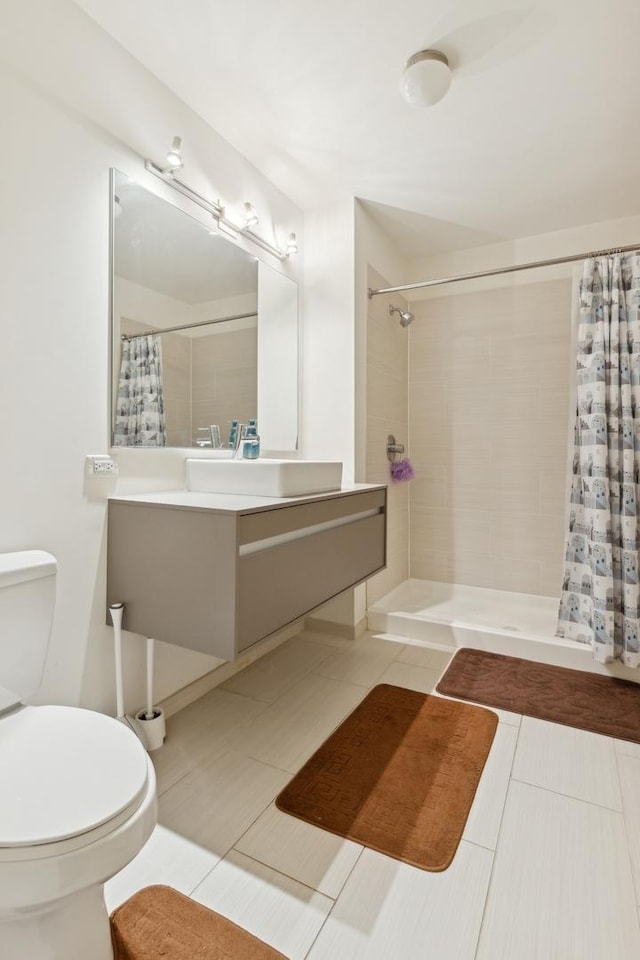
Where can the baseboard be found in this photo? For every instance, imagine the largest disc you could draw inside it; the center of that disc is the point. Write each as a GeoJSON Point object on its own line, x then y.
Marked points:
{"type": "Point", "coordinates": [198, 688]}
{"type": "Point", "coordinates": [338, 629]}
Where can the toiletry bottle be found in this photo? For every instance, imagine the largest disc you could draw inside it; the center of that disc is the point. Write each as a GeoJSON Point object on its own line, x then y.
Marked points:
{"type": "Point", "coordinates": [233, 433]}
{"type": "Point", "coordinates": [251, 442]}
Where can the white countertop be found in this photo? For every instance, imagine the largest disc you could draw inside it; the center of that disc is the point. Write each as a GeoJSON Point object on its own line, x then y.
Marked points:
{"type": "Point", "coordinates": [229, 502]}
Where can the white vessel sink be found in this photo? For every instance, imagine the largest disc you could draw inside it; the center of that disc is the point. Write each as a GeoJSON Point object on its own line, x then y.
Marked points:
{"type": "Point", "coordinates": [264, 478]}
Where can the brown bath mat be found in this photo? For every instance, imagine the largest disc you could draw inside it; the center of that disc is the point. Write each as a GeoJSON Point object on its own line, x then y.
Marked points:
{"type": "Point", "coordinates": [158, 922]}
{"type": "Point", "coordinates": [585, 700]}
{"type": "Point", "coordinates": [399, 775]}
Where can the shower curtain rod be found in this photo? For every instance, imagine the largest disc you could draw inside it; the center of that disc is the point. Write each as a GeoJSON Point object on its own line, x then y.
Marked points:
{"type": "Point", "coordinates": [494, 273]}
{"type": "Point", "coordinates": [184, 326]}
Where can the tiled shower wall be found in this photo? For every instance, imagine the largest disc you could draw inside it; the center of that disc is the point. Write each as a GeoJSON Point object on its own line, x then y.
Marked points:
{"type": "Point", "coordinates": [488, 414]}
{"type": "Point", "coordinates": [387, 397]}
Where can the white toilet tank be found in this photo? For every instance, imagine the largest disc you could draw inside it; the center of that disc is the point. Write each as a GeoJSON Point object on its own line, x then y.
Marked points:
{"type": "Point", "coordinates": [27, 599]}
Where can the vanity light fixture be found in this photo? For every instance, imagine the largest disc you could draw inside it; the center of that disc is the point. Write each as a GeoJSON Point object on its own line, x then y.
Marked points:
{"type": "Point", "coordinates": [260, 242]}
{"type": "Point", "coordinates": [215, 207]}
{"type": "Point", "coordinates": [226, 226]}
{"type": "Point", "coordinates": [174, 155]}
{"type": "Point", "coordinates": [425, 78]}
{"type": "Point", "coordinates": [250, 215]}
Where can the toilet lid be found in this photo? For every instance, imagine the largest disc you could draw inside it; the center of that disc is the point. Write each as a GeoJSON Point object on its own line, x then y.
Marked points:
{"type": "Point", "coordinates": [65, 771]}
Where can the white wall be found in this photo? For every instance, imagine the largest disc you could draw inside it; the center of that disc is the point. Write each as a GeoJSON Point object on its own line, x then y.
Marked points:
{"type": "Point", "coordinates": [373, 251]}
{"type": "Point", "coordinates": [329, 357]}
{"type": "Point", "coordinates": [340, 241]}
{"type": "Point", "coordinates": [381, 390]}
{"type": "Point", "coordinates": [350, 244]}
{"type": "Point", "coordinates": [74, 104]}
{"type": "Point", "coordinates": [328, 346]}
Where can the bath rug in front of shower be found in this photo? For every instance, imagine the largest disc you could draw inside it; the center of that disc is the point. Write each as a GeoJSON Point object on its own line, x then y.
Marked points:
{"type": "Point", "coordinates": [158, 922]}
{"type": "Point", "coordinates": [575, 698]}
{"type": "Point", "coordinates": [398, 775]}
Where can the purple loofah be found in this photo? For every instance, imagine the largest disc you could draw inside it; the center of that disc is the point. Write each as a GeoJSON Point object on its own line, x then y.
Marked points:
{"type": "Point", "coordinates": [401, 470]}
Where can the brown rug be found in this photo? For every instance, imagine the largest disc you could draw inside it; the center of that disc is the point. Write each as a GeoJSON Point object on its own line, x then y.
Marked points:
{"type": "Point", "coordinates": [578, 699]}
{"type": "Point", "coordinates": [399, 775]}
{"type": "Point", "coordinates": [158, 922]}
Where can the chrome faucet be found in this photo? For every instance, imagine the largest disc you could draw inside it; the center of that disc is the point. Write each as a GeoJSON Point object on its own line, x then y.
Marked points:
{"type": "Point", "coordinates": [212, 438]}
{"type": "Point", "coordinates": [203, 441]}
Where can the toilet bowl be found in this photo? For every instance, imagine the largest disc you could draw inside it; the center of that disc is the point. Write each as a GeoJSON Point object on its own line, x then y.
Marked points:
{"type": "Point", "coordinates": [77, 794]}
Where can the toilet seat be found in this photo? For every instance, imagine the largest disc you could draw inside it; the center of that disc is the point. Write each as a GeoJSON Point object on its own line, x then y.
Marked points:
{"type": "Point", "coordinates": [69, 776]}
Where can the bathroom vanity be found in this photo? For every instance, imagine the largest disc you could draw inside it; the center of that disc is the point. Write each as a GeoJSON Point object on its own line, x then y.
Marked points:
{"type": "Point", "coordinates": [217, 572]}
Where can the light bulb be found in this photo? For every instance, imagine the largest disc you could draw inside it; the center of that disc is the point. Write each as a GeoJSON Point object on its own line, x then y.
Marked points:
{"type": "Point", "coordinates": [426, 78]}
{"type": "Point", "coordinates": [250, 215]}
{"type": "Point", "coordinates": [174, 156]}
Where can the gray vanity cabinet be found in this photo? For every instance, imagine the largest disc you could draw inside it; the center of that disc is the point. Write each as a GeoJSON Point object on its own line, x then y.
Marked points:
{"type": "Point", "coordinates": [195, 572]}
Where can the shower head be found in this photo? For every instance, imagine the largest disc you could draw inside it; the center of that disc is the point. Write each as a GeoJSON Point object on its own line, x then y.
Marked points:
{"type": "Point", "coordinates": [405, 316]}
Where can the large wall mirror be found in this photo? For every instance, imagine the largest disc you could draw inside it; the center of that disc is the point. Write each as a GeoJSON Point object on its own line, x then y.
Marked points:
{"type": "Point", "coordinates": [202, 332]}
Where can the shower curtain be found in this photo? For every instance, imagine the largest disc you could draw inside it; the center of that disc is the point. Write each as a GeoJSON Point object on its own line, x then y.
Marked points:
{"type": "Point", "coordinates": [139, 418]}
{"type": "Point", "coordinates": [600, 599]}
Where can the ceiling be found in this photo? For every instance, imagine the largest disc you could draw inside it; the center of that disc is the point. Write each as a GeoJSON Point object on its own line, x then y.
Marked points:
{"type": "Point", "coordinates": [539, 132]}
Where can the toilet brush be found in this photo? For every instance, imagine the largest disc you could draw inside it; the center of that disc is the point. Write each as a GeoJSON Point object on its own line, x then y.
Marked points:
{"type": "Point", "coordinates": [150, 721]}
{"type": "Point", "coordinates": [149, 712]}
{"type": "Point", "coordinates": [148, 724]}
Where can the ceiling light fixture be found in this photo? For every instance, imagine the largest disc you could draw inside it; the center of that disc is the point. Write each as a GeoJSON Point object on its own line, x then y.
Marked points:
{"type": "Point", "coordinates": [292, 245]}
{"type": "Point", "coordinates": [174, 155]}
{"type": "Point", "coordinates": [426, 78]}
{"type": "Point", "coordinates": [250, 215]}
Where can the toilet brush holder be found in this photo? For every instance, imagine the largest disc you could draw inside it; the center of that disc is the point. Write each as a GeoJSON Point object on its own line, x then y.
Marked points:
{"type": "Point", "coordinates": [148, 721]}
{"type": "Point", "coordinates": [151, 729]}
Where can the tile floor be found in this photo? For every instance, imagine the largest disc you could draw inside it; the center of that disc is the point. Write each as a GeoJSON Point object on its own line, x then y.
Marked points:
{"type": "Point", "coordinates": [549, 864]}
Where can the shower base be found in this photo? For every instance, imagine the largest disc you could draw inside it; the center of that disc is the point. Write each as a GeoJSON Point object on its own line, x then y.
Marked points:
{"type": "Point", "coordinates": [449, 615]}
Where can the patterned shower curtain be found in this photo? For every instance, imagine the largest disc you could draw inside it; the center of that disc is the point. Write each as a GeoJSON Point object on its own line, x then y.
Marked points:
{"type": "Point", "coordinates": [140, 403]}
{"type": "Point", "coordinates": [600, 599]}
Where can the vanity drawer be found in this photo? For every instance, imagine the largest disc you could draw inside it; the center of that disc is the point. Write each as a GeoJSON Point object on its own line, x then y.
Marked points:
{"type": "Point", "coordinates": [273, 523]}
{"type": "Point", "coordinates": [281, 583]}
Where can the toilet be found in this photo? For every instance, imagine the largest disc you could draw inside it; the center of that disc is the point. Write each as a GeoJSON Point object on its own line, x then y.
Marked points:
{"type": "Point", "coordinates": [77, 789]}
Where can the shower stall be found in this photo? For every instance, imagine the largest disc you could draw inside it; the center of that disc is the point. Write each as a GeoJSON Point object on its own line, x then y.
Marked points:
{"type": "Point", "coordinates": [478, 390]}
